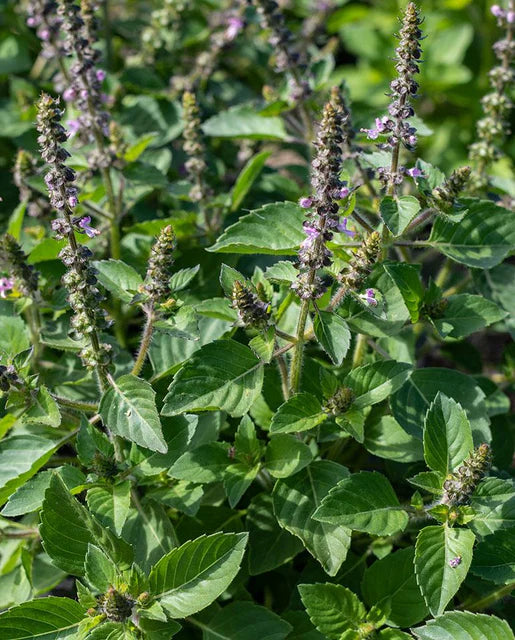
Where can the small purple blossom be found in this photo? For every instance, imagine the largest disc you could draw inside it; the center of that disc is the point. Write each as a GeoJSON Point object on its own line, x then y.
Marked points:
{"type": "Point", "coordinates": [305, 203]}
{"type": "Point", "coordinates": [381, 127]}
{"type": "Point", "coordinates": [90, 231]}
{"type": "Point", "coordinates": [6, 284]}
{"type": "Point", "coordinates": [234, 26]}
{"type": "Point", "coordinates": [497, 11]}
{"type": "Point", "coordinates": [101, 75]}
{"type": "Point", "coordinates": [343, 193]}
{"type": "Point", "coordinates": [455, 562]}
{"type": "Point", "coordinates": [69, 94]}
{"type": "Point", "coordinates": [44, 34]}
{"type": "Point", "coordinates": [370, 298]}
{"type": "Point", "coordinates": [31, 22]}
{"type": "Point", "coordinates": [510, 17]}
{"type": "Point", "coordinates": [73, 126]}
{"type": "Point", "coordinates": [73, 201]}
{"type": "Point", "coordinates": [342, 227]}
{"type": "Point", "coordinates": [415, 172]}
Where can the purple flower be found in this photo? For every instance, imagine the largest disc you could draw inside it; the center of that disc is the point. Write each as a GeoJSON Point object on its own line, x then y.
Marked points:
{"type": "Point", "coordinates": [44, 34]}
{"type": "Point", "coordinates": [497, 11]}
{"type": "Point", "coordinates": [343, 193]}
{"type": "Point", "coordinates": [234, 26]}
{"type": "Point", "coordinates": [455, 562]}
{"type": "Point", "coordinates": [415, 172]}
{"type": "Point", "coordinates": [370, 297]}
{"type": "Point", "coordinates": [31, 22]}
{"type": "Point", "coordinates": [305, 203]}
{"type": "Point", "coordinates": [73, 201]}
{"type": "Point", "coordinates": [342, 227]}
{"type": "Point", "coordinates": [381, 127]}
{"type": "Point", "coordinates": [510, 17]}
{"type": "Point", "coordinates": [69, 94]}
{"type": "Point", "coordinates": [90, 231]}
{"type": "Point", "coordinates": [101, 75]}
{"type": "Point", "coordinates": [73, 126]}
{"type": "Point", "coordinates": [6, 284]}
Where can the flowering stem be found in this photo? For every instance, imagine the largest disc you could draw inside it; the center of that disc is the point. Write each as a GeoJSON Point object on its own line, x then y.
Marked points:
{"type": "Point", "coordinates": [146, 339]}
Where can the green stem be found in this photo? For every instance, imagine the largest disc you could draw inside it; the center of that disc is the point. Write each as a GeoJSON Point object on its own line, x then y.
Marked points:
{"type": "Point", "coordinates": [283, 372]}
{"type": "Point", "coordinates": [146, 339]}
{"type": "Point", "coordinates": [360, 349]}
{"type": "Point", "coordinates": [487, 601]}
{"type": "Point", "coordinates": [444, 273]}
{"type": "Point", "coordinates": [89, 407]}
{"type": "Point", "coordinates": [296, 362]}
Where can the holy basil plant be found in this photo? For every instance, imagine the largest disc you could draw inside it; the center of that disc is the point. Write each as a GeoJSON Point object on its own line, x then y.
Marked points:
{"type": "Point", "coordinates": [255, 356]}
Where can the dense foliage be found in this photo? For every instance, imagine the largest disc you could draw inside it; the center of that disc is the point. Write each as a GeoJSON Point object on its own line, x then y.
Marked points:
{"type": "Point", "coordinates": [255, 320]}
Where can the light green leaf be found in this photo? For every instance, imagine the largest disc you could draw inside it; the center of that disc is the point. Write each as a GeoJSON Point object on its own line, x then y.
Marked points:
{"type": "Point", "coordinates": [374, 382]}
{"type": "Point", "coordinates": [447, 435]}
{"type": "Point", "coordinates": [494, 505]}
{"type": "Point", "coordinates": [285, 455]}
{"type": "Point", "coordinates": [391, 582]}
{"type": "Point", "coordinates": [366, 502]}
{"type": "Point", "coordinates": [333, 334]}
{"type": "Point", "coordinates": [15, 224]}
{"type": "Point", "coordinates": [282, 271]}
{"type": "Point", "coordinates": [20, 458]}
{"type": "Point", "coordinates": [243, 122]}
{"type": "Point", "coordinates": [206, 463]}
{"type": "Point", "coordinates": [435, 548]}
{"type": "Point", "coordinates": [111, 504]}
{"type": "Point", "coordinates": [223, 375]}
{"type": "Point", "coordinates": [411, 402]}
{"type": "Point", "coordinates": [387, 439]}
{"type": "Point", "coordinates": [397, 213]}
{"type": "Point", "coordinates": [301, 412]}
{"type": "Point", "coordinates": [67, 528]}
{"type": "Point", "coordinates": [238, 478]}
{"type": "Point", "coordinates": [118, 278]}
{"type": "Point", "coordinates": [99, 571]}
{"type": "Point", "coordinates": [407, 279]}
{"type": "Point", "coordinates": [181, 279]}
{"type": "Point", "coordinates": [43, 410]}
{"type": "Point", "coordinates": [494, 557]}
{"type": "Point", "coordinates": [46, 618]}
{"type": "Point", "coordinates": [295, 501]}
{"type": "Point", "coordinates": [481, 239]}
{"type": "Point", "coordinates": [275, 229]}
{"type": "Point", "coordinates": [332, 608]}
{"type": "Point", "coordinates": [14, 337]}
{"type": "Point", "coordinates": [263, 344]}
{"type": "Point", "coordinates": [247, 177]}
{"type": "Point", "coordinates": [464, 625]}
{"type": "Point", "coordinates": [129, 408]}
{"type": "Point", "coordinates": [192, 576]}
{"type": "Point", "coordinates": [465, 314]}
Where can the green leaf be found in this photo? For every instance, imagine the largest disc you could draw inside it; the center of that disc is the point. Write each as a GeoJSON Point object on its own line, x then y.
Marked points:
{"type": "Point", "coordinates": [111, 504]}
{"type": "Point", "coordinates": [285, 455]}
{"type": "Point", "coordinates": [206, 463]}
{"type": "Point", "coordinates": [245, 621]}
{"type": "Point", "coordinates": [30, 495]}
{"type": "Point", "coordinates": [411, 402]}
{"type": "Point", "coordinates": [494, 505]}
{"type": "Point", "coordinates": [465, 314]}
{"type": "Point", "coordinates": [430, 481]}
{"type": "Point", "coordinates": [447, 435]}
{"type": "Point", "coordinates": [263, 344]}
{"type": "Point", "coordinates": [181, 279]}
{"type": "Point", "coordinates": [374, 382]}
{"type": "Point", "coordinates": [20, 458]}
{"type": "Point", "coordinates": [14, 55]}
{"type": "Point", "coordinates": [397, 213]}
{"type": "Point", "coordinates": [238, 478]}
{"type": "Point", "coordinates": [387, 439]}
{"type": "Point", "coordinates": [275, 229]}
{"type": "Point", "coordinates": [192, 576]}
{"type": "Point", "coordinates": [16, 218]}
{"type": "Point", "coordinates": [391, 581]}
{"type": "Point", "coordinates": [407, 278]}
{"type": "Point", "coordinates": [494, 557]}
{"type": "Point", "coordinates": [301, 412]}
{"type": "Point", "coordinates": [464, 625]}
{"type": "Point", "coordinates": [129, 408]}
{"type": "Point", "coordinates": [282, 271]}
{"type": "Point", "coordinates": [435, 548]}
{"type": "Point", "coordinates": [144, 114]}
{"type": "Point", "coordinates": [296, 500]}
{"type": "Point", "coordinates": [243, 122]}
{"type": "Point", "coordinates": [118, 278]}
{"type": "Point", "coordinates": [14, 337]}
{"type": "Point", "coordinates": [365, 502]}
{"type": "Point", "coordinates": [270, 546]}
{"type": "Point", "coordinates": [46, 618]}
{"type": "Point", "coordinates": [333, 334]}
{"type": "Point", "coordinates": [43, 410]}
{"type": "Point", "coordinates": [223, 375]}
{"type": "Point", "coordinates": [332, 608]}
{"type": "Point", "coordinates": [247, 177]}
{"type": "Point", "coordinates": [481, 239]}
{"type": "Point", "coordinates": [99, 571]}
{"type": "Point", "coordinates": [67, 528]}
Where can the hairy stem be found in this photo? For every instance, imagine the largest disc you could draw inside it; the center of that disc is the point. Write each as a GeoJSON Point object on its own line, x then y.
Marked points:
{"type": "Point", "coordinates": [296, 362]}
{"type": "Point", "coordinates": [146, 339]}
